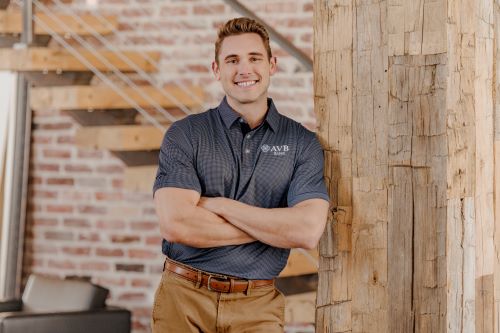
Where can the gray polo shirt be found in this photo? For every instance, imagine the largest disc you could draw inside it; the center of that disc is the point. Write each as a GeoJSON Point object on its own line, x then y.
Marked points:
{"type": "Point", "coordinates": [277, 164]}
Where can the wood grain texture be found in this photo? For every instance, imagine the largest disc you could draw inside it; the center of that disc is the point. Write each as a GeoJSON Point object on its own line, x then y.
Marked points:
{"type": "Point", "coordinates": [119, 138]}
{"type": "Point", "coordinates": [53, 59]}
{"type": "Point", "coordinates": [104, 97]}
{"type": "Point", "coordinates": [11, 22]}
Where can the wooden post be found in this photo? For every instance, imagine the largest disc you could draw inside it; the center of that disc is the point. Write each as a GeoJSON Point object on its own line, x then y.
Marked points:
{"type": "Point", "coordinates": [405, 94]}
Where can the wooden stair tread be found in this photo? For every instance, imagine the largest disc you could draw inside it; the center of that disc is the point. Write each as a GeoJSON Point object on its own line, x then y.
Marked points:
{"type": "Point", "coordinates": [11, 22]}
{"type": "Point", "coordinates": [58, 59]}
{"type": "Point", "coordinates": [103, 97]}
{"type": "Point", "coordinates": [120, 138]}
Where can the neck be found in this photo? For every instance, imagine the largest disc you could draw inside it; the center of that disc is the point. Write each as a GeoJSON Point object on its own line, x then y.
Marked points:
{"type": "Point", "coordinates": [253, 113]}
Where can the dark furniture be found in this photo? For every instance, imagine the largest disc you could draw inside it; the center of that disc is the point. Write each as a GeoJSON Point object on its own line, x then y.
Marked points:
{"type": "Point", "coordinates": [51, 305]}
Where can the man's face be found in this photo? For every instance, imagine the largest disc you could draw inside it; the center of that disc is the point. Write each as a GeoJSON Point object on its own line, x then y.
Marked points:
{"type": "Point", "coordinates": [244, 68]}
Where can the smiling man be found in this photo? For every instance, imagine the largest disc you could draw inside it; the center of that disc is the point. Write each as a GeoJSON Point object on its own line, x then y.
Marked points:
{"type": "Point", "coordinates": [237, 187]}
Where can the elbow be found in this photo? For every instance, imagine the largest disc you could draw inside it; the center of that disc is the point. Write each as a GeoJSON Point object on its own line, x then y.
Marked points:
{"type": "Point", "coordinates": [309, 243]}
{"type": "Point", "coordinates": [311, 235]}
{"type": "Point", "coordinates": [170, 230]}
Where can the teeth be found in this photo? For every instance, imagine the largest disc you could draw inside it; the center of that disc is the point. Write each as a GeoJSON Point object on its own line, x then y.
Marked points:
{"type": "Point", "coordinates": [246, 83]}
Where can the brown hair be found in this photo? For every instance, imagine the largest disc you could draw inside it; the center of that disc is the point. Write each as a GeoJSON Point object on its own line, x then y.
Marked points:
{"type": "Point", "coordinates": [238, 26]}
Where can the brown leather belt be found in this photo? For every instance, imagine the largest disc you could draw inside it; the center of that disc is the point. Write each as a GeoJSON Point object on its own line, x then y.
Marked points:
{"type": "Point", "coordinates": [215, 282]}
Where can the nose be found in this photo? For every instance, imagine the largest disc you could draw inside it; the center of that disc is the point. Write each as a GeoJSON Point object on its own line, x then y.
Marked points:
{"type": "Point", "coordinates": [244, 68]}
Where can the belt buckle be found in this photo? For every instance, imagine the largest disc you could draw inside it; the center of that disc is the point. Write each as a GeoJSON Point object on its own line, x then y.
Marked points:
{"type": "Point", "coordinates": [217, 278]}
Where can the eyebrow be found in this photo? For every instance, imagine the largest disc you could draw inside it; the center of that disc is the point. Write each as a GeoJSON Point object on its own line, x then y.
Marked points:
{"type": "Point", "coordinates": [237, 56]}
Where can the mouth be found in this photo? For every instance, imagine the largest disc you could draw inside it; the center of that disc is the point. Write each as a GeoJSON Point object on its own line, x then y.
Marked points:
{"type": "Point", "coordinates": [246, 84]}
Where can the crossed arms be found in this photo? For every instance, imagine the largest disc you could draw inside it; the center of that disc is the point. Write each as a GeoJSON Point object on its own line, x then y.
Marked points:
{"type": "Point", "coordinates": [187, 218]}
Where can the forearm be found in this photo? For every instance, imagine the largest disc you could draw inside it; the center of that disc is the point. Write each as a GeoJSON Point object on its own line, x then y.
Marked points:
{"type": "Point", "coordinates": [183, 221]}
{"type": "Point", "coordinates": [202, 228]}
{"type": "Point", "coordinates": [289, 227]}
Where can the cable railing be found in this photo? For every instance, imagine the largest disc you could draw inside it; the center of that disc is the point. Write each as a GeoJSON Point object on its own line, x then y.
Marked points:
{"type": "Point", "coordinates": [103, 20]}
{"type": "Point", "coordinates": [110, 46]}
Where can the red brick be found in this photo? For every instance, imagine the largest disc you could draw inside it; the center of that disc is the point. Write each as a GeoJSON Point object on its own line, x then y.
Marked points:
{"type": "Point", "coordinates": [208, 9]}
{"type": "Point", "coordinates": [125, 238]}
{"type": "Point", "coordinates": [140, 283]}
{"type": "Point", "coordinates": [59, 208]}
{"type": "Point", "coordinates": [38, 221]}
{"type": "Point", "coordinates": [56, 153]}
{"type": "Point", "coordinates": [59, 235]}
{"type": "Point", "coordinates": [40, 139]}
{"type": "Point", "coordinates": [145, 225]}
{"type": "Point", "coordinates": [74, 195]}
{"type": "Point", "coordinates": [130, 267]}
{"type": "Point", "coordinates": [198, 68]}
{"type": "Point", "coordinates": [90, 182]}
{"type": "Point", "coordinates": [90, 237]}
{"type": "Point", "coordinates": [95, 266]}
{"type": "Point", "coordinates": [89, 153]}
{"type": "Point", "coordinates": [54, 126]}
{"type": "Point", "coordinates": [117, 183]}
{"type": "Point", "coordinates": [66, 139]}
{"type": "Point", "coordinates": [173, 10]}
{"type": "Point", "coordinates": [60, 181]}
{"type": "Point", "coordinates": [110, 169]}
{"type": "Point", "coordinates": [149, 211]}
{"type": "Point", "coordinates": [77, 223]}
{"type": "Point", "coordinates": [77, 168]}
{"type": "Point", "coordinates": [61, 264]}
{"type": "Point", "coordinates": [142, 254]}
{"type": "Point", "coordinates": [308, 7]}
{"type": "Point", "coordinates": [43, 194]}
{"type": "Point", "coordinates": [103, 196]}
{"type": "Point", "coordinates": [109, 252]}
{"type": "Point", "coordinates": [131, 296]}
{"type": "Point", "coordinates": [153, 240]}
{"type": "Point", "coordinates": [77, 251]}
{"type": "Point", "coordinates": [137, 326]}
{"type": "Point", "coordinates": [132, 12]}
{"type": "Point", "coordinates": [107, 282]}
{"type": "Point", "coordinates": [110, 224]}
{"type": "Point", "coordinates": [44, 248]}
{"type": "Point", "coordinates": [45, 167]}
{"type": "Point", "coordinates": [87, 209]}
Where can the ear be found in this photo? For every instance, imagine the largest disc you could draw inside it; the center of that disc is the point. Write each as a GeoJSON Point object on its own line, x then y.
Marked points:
{"type": "Point", "coordinates": [216, 70]}
{"type": "Point", "coordinates": [273, 65]}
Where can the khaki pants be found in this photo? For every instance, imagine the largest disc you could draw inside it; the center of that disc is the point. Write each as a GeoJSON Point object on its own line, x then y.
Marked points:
{"type": "Point", "coordinates": [181, 307]}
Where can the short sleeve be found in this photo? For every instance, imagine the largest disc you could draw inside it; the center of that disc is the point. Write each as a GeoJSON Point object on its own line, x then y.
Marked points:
{"type": "Point", "coordinates": [176, 166]}
{"type": "Point", "coordinates": [308, 179]}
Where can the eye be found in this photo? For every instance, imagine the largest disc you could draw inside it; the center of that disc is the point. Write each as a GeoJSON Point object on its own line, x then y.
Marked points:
{"type": "Point", "coordinates": [255, 59]}
{"type": "Point", "coordinates": [231, 61]}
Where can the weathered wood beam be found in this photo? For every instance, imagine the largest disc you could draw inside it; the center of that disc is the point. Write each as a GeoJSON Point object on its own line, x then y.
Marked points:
{"type": "Point", "coordinates": [104, 97]}
{"type": "Point", "coordinates": [119, 138]}
{"type": "Point", "coordinates": [11, 22]}
{"type": "Point", "coordinates": [405, 93]}
{"type": "Point", "coordinates": [53, 59]}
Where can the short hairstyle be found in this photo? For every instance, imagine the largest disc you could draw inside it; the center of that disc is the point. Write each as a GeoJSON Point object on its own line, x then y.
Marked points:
{"type": "Point", "coordinates": [238, 26]}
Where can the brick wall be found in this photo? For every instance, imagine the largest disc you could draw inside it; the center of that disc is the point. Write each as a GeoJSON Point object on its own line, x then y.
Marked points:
{"type": "Point", "coordinates": [81, 221]}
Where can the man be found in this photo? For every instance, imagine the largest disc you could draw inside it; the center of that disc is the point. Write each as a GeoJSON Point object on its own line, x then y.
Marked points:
{"type": "Point", "coordinates": [236, 188]}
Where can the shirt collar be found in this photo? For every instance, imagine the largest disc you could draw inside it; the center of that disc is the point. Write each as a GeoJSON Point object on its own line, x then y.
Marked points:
{"type": "Point", "coordinates": [229, 116]}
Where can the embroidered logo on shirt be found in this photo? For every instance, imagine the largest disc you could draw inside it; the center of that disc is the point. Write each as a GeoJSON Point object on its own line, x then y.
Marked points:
{"type": "Point", "coordinates": [276, 150]}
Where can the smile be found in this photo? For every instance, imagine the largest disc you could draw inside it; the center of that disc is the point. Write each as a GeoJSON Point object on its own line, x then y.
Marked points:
{"type": "Point", "coordinates": [246, 83]}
